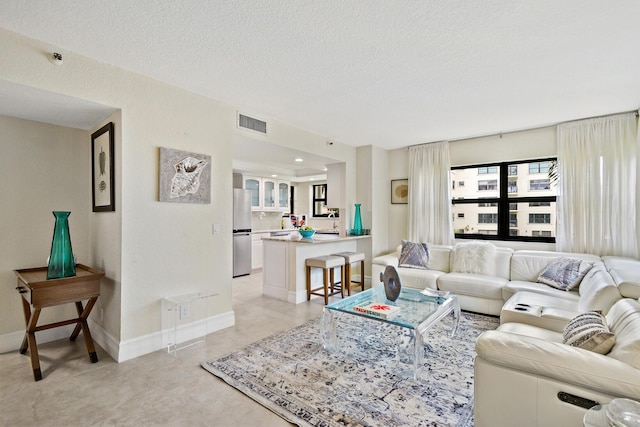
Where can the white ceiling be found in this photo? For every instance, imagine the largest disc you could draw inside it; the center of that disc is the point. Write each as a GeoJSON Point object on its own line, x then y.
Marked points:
{"type": "Point", "coordinates": [390, 73]}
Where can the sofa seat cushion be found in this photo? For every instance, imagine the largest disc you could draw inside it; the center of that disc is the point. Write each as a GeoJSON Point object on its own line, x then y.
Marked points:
{"type": "Point", "coordinates": [543, 311]}
{"type": "Point", "coordinates": [476, 285]}
{"type": "Point", "coordinates": [531, 331]}
{"type": "Point", "coordinates": [540, 288]}
{"type": "Point", "coordinates": [419, 279]}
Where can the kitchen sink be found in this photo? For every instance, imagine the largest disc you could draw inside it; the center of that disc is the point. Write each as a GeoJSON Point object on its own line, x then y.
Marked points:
{"type": "Point", "coordinates": [327, 231]}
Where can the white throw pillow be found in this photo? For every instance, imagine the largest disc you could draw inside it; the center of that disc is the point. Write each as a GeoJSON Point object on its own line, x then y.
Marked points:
{"type": "Point", "coordinates": [475, 257]}
{"type": "Point", "coordinates": [589, 331]}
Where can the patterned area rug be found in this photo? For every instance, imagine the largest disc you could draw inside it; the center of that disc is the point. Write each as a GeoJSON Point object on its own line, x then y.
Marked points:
{"type": "Point", "coordinates": [292, 375]}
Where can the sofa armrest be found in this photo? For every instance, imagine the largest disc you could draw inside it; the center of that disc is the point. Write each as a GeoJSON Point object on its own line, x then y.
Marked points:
{"type": "Point", "coordinates": [560, 362]}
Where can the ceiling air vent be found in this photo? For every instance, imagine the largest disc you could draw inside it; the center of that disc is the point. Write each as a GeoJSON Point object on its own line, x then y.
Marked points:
{"type": "Point", "coordinates": [250, 123]}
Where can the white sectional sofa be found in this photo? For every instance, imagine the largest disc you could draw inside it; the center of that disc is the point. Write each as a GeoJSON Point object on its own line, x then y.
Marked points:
{"type": "Point", "coordinates": [525, 375]}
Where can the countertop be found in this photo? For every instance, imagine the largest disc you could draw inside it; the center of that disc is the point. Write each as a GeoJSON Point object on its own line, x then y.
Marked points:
{"type": "Point", "coordinates": [317, 238]}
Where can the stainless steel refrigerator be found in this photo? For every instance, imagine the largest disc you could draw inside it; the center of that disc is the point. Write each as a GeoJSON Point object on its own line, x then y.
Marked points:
{"type": "Point", "coordinates": [241, 232]}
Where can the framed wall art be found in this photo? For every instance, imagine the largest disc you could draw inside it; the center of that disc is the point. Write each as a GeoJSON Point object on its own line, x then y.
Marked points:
{"type": "Point", "coordinates": [102, 169]}
{"type": "Point", "coordinates": [399, 191]}
{"type": "Point", "coordinates": [184, 177]}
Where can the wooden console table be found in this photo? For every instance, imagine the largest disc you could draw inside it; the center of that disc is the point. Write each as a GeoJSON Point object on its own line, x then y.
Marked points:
{"type": "Point", "coordinates": [38, 292]}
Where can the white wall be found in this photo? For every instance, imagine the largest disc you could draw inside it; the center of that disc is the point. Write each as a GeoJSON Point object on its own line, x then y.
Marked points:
{"type": "Point", "coordinates": [43, 168]}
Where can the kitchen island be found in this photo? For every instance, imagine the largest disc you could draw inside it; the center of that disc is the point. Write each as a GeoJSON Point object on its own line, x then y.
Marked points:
{"type": "Point", "coordinates": [283, 271]}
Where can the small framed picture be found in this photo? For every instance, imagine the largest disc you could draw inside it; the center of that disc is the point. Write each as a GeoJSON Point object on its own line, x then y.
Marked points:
{"type": "Point", "coordinates": [102, 169]}
{"type": "Point", "coordinates": [399, 191]}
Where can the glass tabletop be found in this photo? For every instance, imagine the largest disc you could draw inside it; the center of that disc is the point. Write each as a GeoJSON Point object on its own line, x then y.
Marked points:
{"type": "Point", "coordinates": [415, 309]}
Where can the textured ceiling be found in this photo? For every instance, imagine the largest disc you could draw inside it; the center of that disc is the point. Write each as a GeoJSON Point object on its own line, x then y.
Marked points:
{"type": "Point", "coordinates": [385, 72]}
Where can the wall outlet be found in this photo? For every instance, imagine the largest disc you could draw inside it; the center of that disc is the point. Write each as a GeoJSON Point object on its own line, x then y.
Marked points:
{"type": "Point", "coordinates": [184, 311]}
{"type": "Point", "coordinates": [216, 228]}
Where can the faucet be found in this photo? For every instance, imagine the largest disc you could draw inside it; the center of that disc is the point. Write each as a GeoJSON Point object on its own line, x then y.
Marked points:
{"type": "Point", "coordinates": [332, 214]}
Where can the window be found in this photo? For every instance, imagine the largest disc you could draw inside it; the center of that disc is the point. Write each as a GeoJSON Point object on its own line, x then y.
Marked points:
{"type": "Point", "coordinates": [487, 169]}
{"type": "Point", "coordinates": [539, 218]}
{"type": "Point", "coordinates": [513, 220]}
{"type": "Point", "coordinates": [487, 218]}
{"type": "Point", "coordinates": [511, 206]}
{"type": "Point", "coordinates": [488, 184]}
{"type": "Point", "coordinates": [539, 167]}
{"type": "Point", "coordinates": [539, 184]}
{"type": "Point", "coordinates": [320, 202]}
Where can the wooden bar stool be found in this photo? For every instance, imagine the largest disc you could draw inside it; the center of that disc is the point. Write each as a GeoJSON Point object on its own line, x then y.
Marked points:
{"type": "Point", "coordinates": [329, 285]}
{"type": "Point", "coordinates": [350, 258]}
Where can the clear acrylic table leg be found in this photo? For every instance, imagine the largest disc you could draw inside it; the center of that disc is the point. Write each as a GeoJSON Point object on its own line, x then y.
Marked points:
{"type": "Point", "coordinates": [328, 330]}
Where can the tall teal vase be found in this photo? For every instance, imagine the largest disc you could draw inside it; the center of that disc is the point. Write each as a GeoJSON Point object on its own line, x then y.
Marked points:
{"type": "Point", "coordinates": [61, 261]}
{"type": "Point", "coordinates": [357, 221]}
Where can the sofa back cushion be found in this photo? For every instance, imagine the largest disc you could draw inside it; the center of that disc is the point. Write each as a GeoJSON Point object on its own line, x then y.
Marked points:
{"type": "Point", "coordinates": [598, 291]}
{"type": "Point", "coordinates": [439, 258]}
{"type": "Point", "coordinates": [625, 273]}
{"type": "Point", "coordinates": [493, 261]}
{"type": "Point", "coordinates": [624, 321]}
{"type": "Point", "coordinates": [527, 265]}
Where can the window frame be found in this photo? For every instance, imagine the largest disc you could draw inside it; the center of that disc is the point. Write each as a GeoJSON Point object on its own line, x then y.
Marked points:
{"type": "Point", "coordinates": [503, 200]}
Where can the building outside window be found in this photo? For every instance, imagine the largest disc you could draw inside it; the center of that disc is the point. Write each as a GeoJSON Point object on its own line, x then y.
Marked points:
{"type": "Point", "coordinates": [488, 185]}
{"type": "Point", "coordinates": [539, 167]}
{"type": "Point", "coordinates": [513, 206]}
{"type": "Point", "coordinates": [487, 170]}
{"type": "Point", "coordinates": [539, 218]}
{"type": "Point", "coordinates": [539, 184]}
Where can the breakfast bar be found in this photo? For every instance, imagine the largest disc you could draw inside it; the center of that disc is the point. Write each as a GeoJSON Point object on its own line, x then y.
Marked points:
{"type": "Point", "coordinates": [283, 273]}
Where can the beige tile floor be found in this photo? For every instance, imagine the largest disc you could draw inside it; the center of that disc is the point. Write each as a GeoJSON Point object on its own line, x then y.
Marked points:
{"type": "Point", "coordinates": [155, 389]}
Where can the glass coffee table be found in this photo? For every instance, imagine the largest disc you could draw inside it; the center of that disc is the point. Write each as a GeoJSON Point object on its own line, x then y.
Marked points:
{"type": "Point", "coordinates": [417, 313]}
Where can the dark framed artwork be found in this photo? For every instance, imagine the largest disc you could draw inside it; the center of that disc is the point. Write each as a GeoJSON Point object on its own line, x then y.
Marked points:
{"type": "Point", "coordinates": [399, 191]}
{"type": "Point", "coordinates": [102, 169]}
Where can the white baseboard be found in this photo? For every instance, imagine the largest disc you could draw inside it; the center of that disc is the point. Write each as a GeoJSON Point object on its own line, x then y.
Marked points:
{"type": "Point", "coordinates": [121, 351]}
{"type": "Point", "coordinates": [13, 340]}
{"type": "Point", "coordinates": [139, 346]}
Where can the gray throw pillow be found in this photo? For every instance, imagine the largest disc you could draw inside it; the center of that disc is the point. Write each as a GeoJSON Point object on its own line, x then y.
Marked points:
{"type": "Point", "coordinates": [589, 331]}
{"type": "Point", "coordinates": [414, 255]}
{"type": "Point", "coordinates": [564, 273]}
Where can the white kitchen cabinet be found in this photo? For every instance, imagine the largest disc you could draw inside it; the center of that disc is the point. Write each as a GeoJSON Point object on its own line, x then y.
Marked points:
{"type": "Point", "coordinates": [283, 194]}
{"type": "Point", "coordinates": [257, 250]}
{"type": "Point", "coordinates": [267, 193]}
{"type": "Point", "coordinates": [254, 184]}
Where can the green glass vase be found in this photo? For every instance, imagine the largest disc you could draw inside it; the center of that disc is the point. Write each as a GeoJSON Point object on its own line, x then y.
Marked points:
{"type": "Point", "coordinates": [357, 221]}
{"type": "Point", "coordinates": [61, 261]}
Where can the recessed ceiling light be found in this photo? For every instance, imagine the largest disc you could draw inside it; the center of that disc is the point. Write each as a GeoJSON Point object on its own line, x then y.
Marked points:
{"type": "Point", "coordinates": [325, 169]}
{"type": "Point", "coordinates": [298, 159]}
{"type": "Point", "coordinates": [274, 176]}
{"type": "Point", "coordinates": [311, 179]}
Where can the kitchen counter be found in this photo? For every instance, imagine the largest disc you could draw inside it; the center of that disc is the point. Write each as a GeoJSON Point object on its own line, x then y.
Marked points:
{"type": "Point", "coordinates": [283, 270]}
{"type": "Point", "coordinates": [316, 238]}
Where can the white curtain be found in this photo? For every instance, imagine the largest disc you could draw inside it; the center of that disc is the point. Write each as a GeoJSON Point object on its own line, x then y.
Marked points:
{"type": "Point", "coordinates": [429, 194]}
{"type": "Point", "coordinates": [596, 205]}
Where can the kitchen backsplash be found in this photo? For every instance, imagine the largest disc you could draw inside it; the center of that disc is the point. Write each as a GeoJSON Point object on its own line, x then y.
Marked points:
{"type": "Point", "coordinates": [272, 221]}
